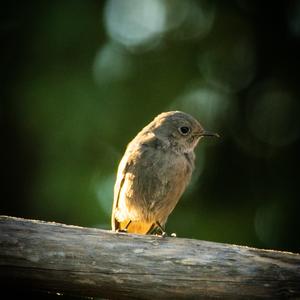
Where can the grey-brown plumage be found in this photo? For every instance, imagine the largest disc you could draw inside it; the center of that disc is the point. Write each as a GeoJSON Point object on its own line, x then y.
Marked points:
{"type": "Point", "coordinates": [154, 172]}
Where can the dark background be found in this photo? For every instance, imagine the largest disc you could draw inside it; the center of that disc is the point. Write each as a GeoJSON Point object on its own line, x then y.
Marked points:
{"type": "Point", "coordinates": [80, 78]}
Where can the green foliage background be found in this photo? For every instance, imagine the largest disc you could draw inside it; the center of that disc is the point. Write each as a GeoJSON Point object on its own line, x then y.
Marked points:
{"type": "Point", "coordinates": [81, 78]}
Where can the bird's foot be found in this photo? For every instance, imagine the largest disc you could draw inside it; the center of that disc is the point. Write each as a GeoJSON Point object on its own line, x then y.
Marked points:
{"type": "Point", "coordinates": [161, 229]}
{"type": "Point", "coordinates": [121, 230]}
{"type": "Point", "coordinates": [161, 234]}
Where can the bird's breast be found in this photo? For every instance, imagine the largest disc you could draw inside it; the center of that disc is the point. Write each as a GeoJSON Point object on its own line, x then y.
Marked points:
{"type": "Point", "coordinates": [173, 173]}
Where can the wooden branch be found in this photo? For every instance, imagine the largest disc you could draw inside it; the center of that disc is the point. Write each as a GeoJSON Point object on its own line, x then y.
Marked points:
{"type": "Point", "coordinates": [91, 262]}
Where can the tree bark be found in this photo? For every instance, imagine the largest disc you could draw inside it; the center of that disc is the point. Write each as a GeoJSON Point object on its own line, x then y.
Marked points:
{"type": "Point", "coordinates": [81, 261]}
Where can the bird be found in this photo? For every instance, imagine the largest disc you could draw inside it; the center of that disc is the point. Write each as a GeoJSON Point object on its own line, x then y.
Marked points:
{"type": "Point", "coordinates": [154, 172]}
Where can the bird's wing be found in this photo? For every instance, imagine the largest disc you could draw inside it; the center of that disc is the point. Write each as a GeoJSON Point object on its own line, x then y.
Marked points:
{"type": "Point", "coordinates": [123, 166]}
{"type": "Point", "coordinates": [127, 164]}
{"type": "Point", "coordinates": [138, 162]}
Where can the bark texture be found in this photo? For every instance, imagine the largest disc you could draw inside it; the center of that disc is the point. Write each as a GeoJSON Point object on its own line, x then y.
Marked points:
{"type": "Point", "coordinates": [81, 261]}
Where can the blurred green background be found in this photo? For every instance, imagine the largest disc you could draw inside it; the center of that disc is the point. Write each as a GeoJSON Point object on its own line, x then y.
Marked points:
{"type": "Point", "coordinates": [79, 79]}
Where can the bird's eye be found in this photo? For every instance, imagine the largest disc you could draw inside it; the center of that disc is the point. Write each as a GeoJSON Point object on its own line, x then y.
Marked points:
{"type": "Point", "coordinates": [184, 130]}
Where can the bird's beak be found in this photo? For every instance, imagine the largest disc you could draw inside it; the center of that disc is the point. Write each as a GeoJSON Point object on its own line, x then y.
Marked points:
{"type": "Point", "coordinates": [208, 133]}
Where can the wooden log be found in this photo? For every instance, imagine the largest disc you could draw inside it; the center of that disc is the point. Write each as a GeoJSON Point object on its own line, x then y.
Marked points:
{"type": "Point", "coordinates": [81, 261]}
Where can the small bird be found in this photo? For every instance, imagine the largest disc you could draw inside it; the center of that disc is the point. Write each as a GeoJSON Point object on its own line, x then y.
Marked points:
{"type": "Point", "coordinates": [154, 172]}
